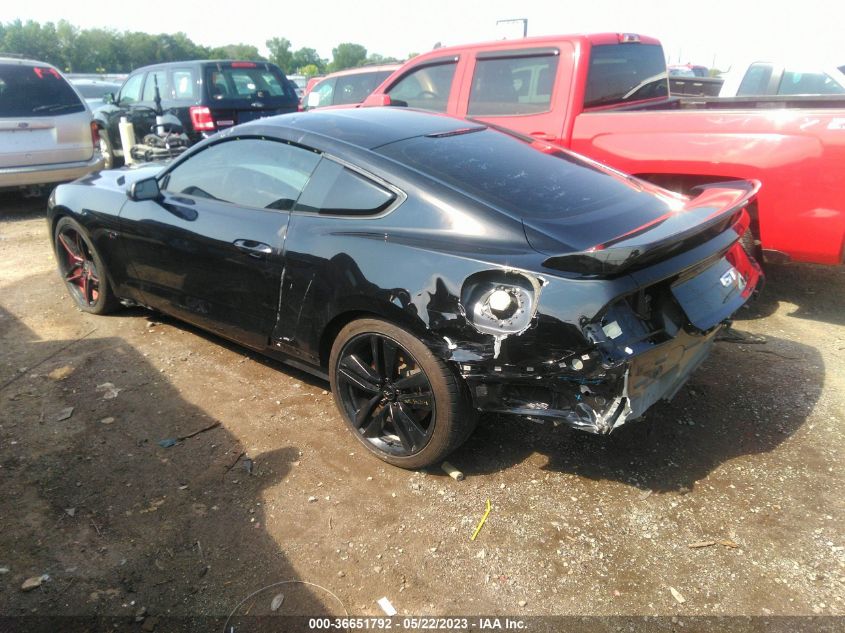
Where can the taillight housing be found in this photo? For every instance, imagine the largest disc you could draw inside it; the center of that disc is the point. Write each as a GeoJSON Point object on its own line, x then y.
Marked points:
{"type": "Point", "coordinates": [95, 135]}
{"type": "Point", "coordinates": [201, 119]}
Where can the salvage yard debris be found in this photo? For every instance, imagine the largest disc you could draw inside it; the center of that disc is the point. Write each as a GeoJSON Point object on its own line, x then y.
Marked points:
{"type": "Point", "coordinates": [64, 414]}
{"type": "Point", "coordinates": [168, 442]}
{"type": "Point", "coordinates": [481, 523]}
{"type": "Point", "coordinates": [453, 472]}
{"type": "Point", "coordinates": [108, 390]}
{"type": "Point", "coordinates": [386, 606]}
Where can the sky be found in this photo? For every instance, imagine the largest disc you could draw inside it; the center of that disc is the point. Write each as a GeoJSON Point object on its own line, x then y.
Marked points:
{"type": "Point", "coordinates": [714, 33]}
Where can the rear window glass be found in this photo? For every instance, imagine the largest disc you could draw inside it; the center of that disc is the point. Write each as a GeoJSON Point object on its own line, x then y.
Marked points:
{"type": "Point", "coordinates": [95, 91]}
{"type": "Point", "coordinates": [619, 73]}
{"type": "Point", "coordinates": [507, 173]}
{"type": "Point", "coordinates": [229, 83]}
{"type": "Point", "coordinates": [355, 88]}
{"type": "Point", "coordinates": [35, 91]}
{"type": "Point", "coordinates": [336, 190]}
{"type": "Point", "coordinates": [519, 85]}
{"type": "Point", "coordinates": [796, 83]}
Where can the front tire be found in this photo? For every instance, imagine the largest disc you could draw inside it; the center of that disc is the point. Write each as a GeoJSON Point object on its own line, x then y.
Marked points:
{"type": "Point", "coordinates": [82, 268]}
{"type": "Point", "coordinates": [400, 401]}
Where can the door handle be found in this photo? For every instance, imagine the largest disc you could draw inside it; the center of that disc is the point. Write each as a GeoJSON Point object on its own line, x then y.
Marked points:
{"type": "Point", "coordinates": [253, 248]}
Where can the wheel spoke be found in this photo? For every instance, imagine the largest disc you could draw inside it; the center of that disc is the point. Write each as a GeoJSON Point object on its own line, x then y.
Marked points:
{"type": "Point", "coordinates": [409, 431]}
{"type": "Point", "coordinates": [389, 357]}
{"type": "Point", "coordinates": [376, 426]}
{"type": "Point", "coordinates": [63, 241]}
{"type": "Point", "coordinates": [378, 361]}
{"type": "Point", "coordinates": [86, 289]}
{"type": "Point", "coordinates": [353, 369]}
{"type": "Point", "coordinates": [412, 382]}
{"type": "Point", "coordinates": [74, 273]}
{"type": "Point", "coordinates": [366, 411]}
{"type": "Point", "coordinates": [417, 400]}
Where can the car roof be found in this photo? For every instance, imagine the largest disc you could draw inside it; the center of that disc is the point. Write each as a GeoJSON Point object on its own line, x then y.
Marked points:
{"type": "Point", "coordinates": [364, 69]}
{"type": "Point", "coordinates": [24, 62]}
{"type": "Point", "coordinates": [595, 39]}
{"type": "Point", "coordinates": [203, 62]}
{"type": "Point", "coordinates": [367, 128]}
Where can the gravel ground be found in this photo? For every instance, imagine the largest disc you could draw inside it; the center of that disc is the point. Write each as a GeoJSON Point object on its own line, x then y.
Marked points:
{"type": "Point", "coordinates": [727, 501]}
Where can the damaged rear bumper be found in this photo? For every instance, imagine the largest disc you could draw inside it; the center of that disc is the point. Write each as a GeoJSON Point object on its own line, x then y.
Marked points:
{"type": "Point", "coordinates": [596, 398]}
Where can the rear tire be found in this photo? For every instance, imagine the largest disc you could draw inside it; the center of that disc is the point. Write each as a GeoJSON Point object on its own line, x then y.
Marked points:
{"type": "Point", "coordinates": [405, 405]}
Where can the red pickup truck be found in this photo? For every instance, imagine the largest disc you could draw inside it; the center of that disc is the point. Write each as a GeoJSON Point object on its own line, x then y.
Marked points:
{"type": "Point", "coordinates": [606, 96]}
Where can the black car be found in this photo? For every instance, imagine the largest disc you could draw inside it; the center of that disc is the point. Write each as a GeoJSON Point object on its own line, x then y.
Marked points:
{"type": "Point", "coordinates": [206, 96]}
{"type": "Point", "coordinates": [430, 267]}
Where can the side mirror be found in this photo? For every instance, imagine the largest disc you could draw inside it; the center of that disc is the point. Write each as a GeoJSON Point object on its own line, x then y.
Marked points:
{"type": "Point", "coordinates": [146, 189]}
{"type": "Point", "coordinates": [109, 98]}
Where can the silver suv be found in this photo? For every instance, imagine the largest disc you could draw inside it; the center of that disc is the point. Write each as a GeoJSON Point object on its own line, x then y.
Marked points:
{"type": "Point", "coordinates": [46, 129]}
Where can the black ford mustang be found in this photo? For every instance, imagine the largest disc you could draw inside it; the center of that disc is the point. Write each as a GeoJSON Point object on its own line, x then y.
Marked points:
{"type": "Point", "coordinates": [431, 267]}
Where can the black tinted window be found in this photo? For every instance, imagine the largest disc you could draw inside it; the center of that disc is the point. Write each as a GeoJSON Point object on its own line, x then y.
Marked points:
{"type": "Point", "coordinates": [426, 87]}
{"type": "Point", "coordinates": [246, 172]}
{"type": "Point", "coordinates": [35, 91]}
{"type": "Point", "coordinates": [355, 88]}
{"type": "Point", "coordinates": [510, 174]}
{"type": "Point", "coordinates": [336, 190]}
{"type": "Point", "coordinates": [518, 85]}
{"type": "Point", "coordinates": [625, 72]}
{"type": "Point", "coordinates": [248, 81]}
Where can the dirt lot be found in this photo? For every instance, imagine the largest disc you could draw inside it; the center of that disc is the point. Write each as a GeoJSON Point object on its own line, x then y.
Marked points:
{"type": "Point", "coordinates": [749, 455]}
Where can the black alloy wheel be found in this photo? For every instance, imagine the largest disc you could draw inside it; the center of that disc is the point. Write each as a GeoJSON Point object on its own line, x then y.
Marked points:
{"type": "Point", "coordinates": [400, 401]}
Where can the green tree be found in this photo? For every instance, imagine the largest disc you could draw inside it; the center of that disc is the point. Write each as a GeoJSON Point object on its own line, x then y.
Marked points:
{"type": "Point", "coordinates": [375, 58]}
{"type": "Point", "coordinates": [310, 70]}
{"type": "Point", "coordinates": [347, 55]}
{"type": "Point", "coordinates": [237, 51]}
{"type": "Point", "coordinates": [307, 57]}
{"type": "Point", "coordinates": [280, 53]}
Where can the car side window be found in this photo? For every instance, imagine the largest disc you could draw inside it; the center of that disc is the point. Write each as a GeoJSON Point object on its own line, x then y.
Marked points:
{"type": "Point", "coordinates": [246, 172]}
{"type": "Point", "coordinates": [183, 84]}
{"type": "Point", "coordinates": [425, 87]}
{"type": "Point", "coordinates": [324, 91]}
{"type": "Point", "coordinates": [131, 91]}
{"type": "Point", "coordinates": [338, 190]}
{"type": "Point", "coordinates": [160, 77]}
{"type": "Point", "coordinates": [513, 85]}
{"type": "Point", "coordinates": [756, 80]}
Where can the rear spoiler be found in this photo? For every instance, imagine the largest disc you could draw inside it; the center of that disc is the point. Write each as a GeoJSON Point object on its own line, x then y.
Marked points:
{"type": "Point", "coordinates": [717, 208]}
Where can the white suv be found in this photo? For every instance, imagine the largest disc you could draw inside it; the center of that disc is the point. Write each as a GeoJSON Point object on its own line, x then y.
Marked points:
{"type": "Point", "coordinates": [47, 134]}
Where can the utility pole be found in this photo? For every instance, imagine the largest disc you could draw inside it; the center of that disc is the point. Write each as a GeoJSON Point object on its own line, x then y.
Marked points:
{"type": "Point", "coordinates": [524, 24]}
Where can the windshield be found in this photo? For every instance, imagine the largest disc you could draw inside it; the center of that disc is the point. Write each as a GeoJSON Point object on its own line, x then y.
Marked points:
{"type": "Point", "coordinates": [35, 91]}
{"type": "Point", "coordinates": [248, 81]}
{"type": "Point", "coordinates": [94, 91]}
{"type": "Point", "coordinates": [620, 73]}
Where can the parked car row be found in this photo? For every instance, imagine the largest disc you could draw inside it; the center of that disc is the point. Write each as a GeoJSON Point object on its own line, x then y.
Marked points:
{"type": "Point", "coordinates": [47, 134]}
{"type": "Point", "coordinates": [440, 245]}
